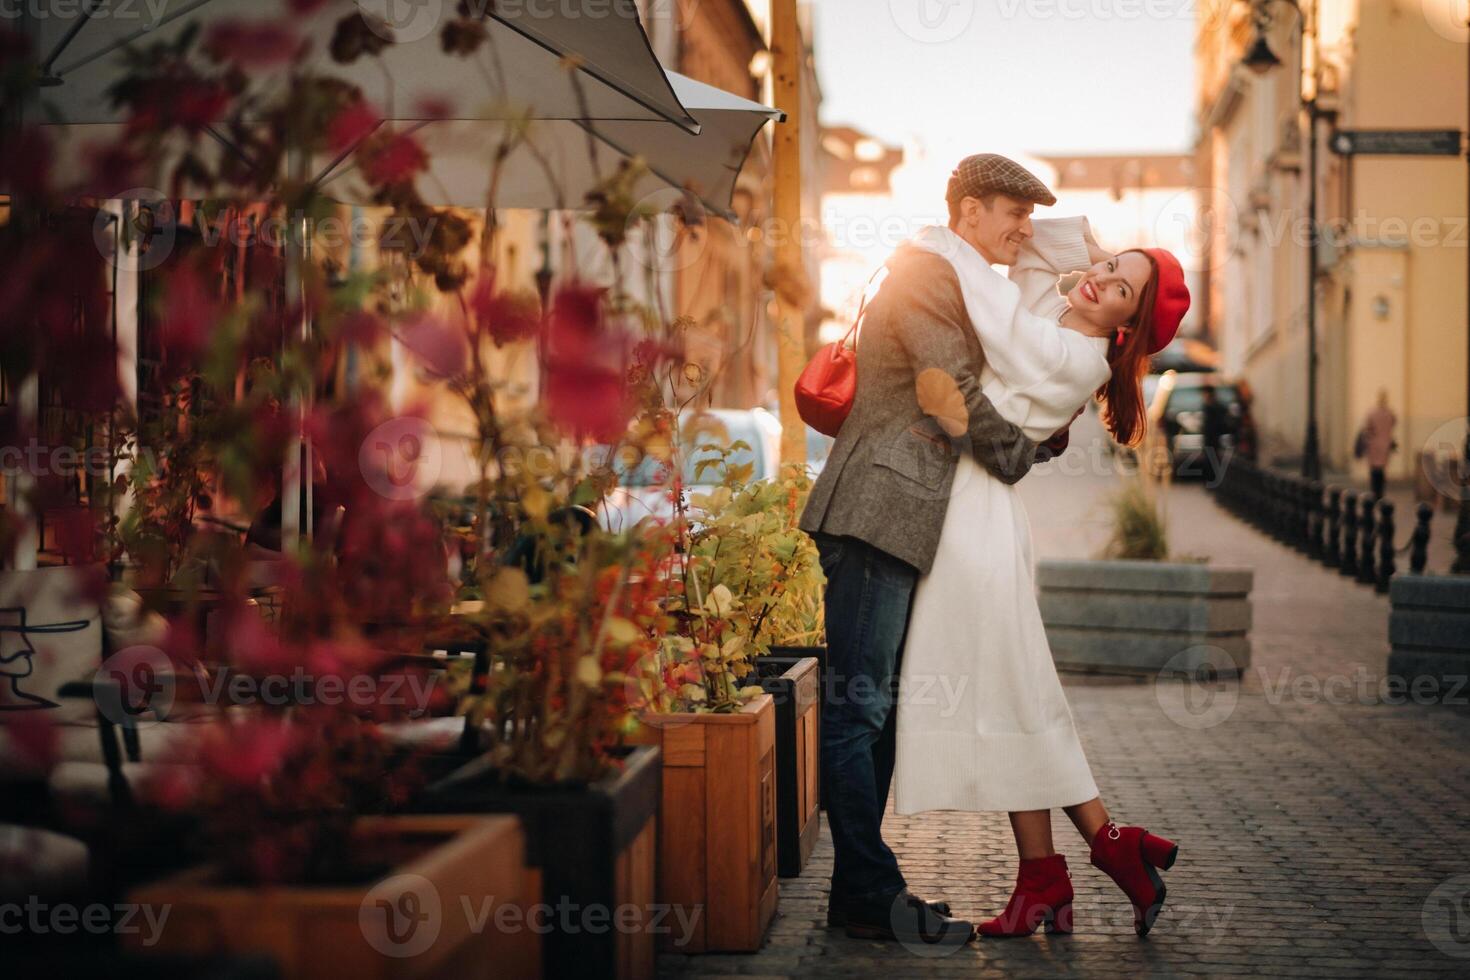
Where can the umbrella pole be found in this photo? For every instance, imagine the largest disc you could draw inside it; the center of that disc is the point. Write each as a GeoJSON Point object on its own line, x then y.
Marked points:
{"type": "Point", "coordinates": [296, 477]}
{"type": "Point", "coordinates": [786, 161]}
{"type": "Point", "coordinates": [20, 482]}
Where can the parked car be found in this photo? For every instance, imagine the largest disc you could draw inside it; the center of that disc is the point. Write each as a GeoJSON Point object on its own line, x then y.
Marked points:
{"type": "Point", "coordinates": [1184, 418]}
{"type": "Point", "coordinates": [643, 490]}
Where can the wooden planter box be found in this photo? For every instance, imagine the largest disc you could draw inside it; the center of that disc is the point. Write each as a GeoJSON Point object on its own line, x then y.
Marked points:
{"type": "Point", "coordinates": [1146, 616]}
{"type": "Point", "coordinates": [592, 848]}
{"type": "Point", "coordinates": [423, 919]}
{"type": "Point", "coordinates": [794, 683]}
{"type": "Point", "coordinates": [717, 841]}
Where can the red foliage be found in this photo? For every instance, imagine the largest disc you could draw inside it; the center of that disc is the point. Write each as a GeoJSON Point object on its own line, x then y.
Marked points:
{"type": "Point", "coordinates": [507, 317]}
{"type": "Point", "coordinates": [585, 366]}
{"type": "Point", "coordinates": [351, 125]}
{"type": "Point", "coordinates": [259, 44]}
{"type": "Point", "coordinates": [395, 159]}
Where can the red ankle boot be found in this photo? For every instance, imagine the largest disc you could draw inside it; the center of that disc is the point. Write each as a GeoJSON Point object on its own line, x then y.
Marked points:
{"type": "Point", "coordinates": [1130, 855]}
{"type": "Point", "coordinates": [1043, 894]}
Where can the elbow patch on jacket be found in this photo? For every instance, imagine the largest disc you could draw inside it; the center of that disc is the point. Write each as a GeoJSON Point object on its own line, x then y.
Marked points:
{"type": "Point", "coordinates": [939, 396]}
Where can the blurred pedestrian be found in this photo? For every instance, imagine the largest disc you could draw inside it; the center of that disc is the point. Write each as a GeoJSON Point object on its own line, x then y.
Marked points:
{"type": "Point", "coordinates": [1376, 442]}
{"type": "Point", "coordinates": [1245, 422]}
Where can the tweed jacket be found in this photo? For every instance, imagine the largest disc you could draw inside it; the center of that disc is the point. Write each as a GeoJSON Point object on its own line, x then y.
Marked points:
{"type": "Point", "coordinates": [887, 480]}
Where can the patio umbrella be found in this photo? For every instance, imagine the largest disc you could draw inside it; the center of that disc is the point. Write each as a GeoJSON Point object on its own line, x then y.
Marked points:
{"type": "Point", "coordinates": [554, 166]}
{"type": "Point", "coordinates": [523, 70]}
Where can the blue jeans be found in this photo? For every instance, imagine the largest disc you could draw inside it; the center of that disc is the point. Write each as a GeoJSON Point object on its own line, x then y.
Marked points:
{"type": "Point", "coordinates": [868, 597]}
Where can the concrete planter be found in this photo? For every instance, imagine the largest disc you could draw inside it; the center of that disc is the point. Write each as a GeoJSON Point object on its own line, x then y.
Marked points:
{"type": "Point", "coordinates": [1429, 632]}
{"type": "Point", "coordinates": [1146, 616]}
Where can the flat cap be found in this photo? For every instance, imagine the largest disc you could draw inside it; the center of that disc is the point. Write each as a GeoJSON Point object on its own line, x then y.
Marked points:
{"type": "Point", "coordinates": [986, 173]}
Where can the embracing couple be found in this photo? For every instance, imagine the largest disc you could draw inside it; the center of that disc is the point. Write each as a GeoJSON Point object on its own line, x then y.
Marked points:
{"type": "Point", "coordinates": [965, 378]}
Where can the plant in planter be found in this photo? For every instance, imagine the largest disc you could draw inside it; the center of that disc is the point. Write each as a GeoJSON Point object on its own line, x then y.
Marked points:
{"type": "Point", "coordinates": [749, 543]}
{"type": "Point", "coordinates": [553, 705]}
{"type": "Point", "coordinates": [404, 914]}
{"type": "Point", "coordinates": [277, 794]}
{"type": "Point", "coordinates": [744, 578]}
{"type": "Point", "coordinates": [284, 784]}
{"type": "Point", "coordinates": [1139, 532]}
{"type": "Point", "coordinates": [1134, 611]}
{"type": "Point", "coordinates": [750, 538]}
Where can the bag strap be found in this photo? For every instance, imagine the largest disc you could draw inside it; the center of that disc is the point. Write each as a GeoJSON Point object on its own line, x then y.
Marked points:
{"type": "Point", "coordinates": [849, 339]}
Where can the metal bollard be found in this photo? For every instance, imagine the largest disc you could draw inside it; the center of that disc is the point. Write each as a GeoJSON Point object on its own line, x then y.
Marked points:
{"type": "Point", "coordinates": [1385, 546]}
{"type": "Point", "coordinates": [1349, 563]}
{"type": "Point", "coordinates": [1314, 519]}
{"type": "Point", "coordinates": [1332, 554]}
{"type": "Point", "coordinates": [1303, 515]}
{"type": "Point", "coordinates": [1419, 551]}
{"type": "Point", "coordinates": [1367, 561]}
{"type": "Point", "coordinates": [1278, 507]}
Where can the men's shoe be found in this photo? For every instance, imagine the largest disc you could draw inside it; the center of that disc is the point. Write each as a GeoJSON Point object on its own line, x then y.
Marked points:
{"type": "Point", "coordinates": [906, 918]}
{"type": "Point", "coordinates": [837, 909]}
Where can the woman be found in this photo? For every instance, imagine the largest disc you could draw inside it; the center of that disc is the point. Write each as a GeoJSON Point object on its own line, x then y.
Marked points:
{"type": "Point", "coordinates": [1010, 743]}
{"type": "Point", "coordinates": [1378, 442]}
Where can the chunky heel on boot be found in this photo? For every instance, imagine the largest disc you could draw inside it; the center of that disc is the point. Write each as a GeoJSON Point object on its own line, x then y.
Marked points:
{"type": "Point", "coordinates": [1159, 851]}
{"type": "Point", "coordinates": [1131, 856]}
{"type": "Point", "coordinates": [1043, 894]}
{"type": "Point", "coordinates": [1060, 920]}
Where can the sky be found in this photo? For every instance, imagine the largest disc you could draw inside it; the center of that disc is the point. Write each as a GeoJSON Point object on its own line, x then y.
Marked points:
{"type": "Point", "coordinates": [1019, 76]}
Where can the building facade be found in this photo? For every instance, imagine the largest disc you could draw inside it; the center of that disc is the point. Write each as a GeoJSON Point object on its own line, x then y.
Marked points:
{"type": "Point", "coordinates": [1390, 268]}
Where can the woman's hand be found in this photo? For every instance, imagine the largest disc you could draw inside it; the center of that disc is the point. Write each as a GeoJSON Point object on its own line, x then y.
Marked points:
{"type": "Point", "coordinates": [1095, 252]}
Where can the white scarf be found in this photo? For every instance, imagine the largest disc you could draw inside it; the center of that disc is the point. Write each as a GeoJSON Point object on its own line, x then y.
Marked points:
{"type": "Point", "coordinates": [1042, 370]}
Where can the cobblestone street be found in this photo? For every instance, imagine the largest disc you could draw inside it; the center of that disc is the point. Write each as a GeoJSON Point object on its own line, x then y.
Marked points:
{"type": "Point", "coordinates": [1321, 820]}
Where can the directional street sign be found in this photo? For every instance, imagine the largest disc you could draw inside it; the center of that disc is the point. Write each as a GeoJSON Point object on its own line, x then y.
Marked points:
{"type": "Point", "coordinates": [1397, 142]}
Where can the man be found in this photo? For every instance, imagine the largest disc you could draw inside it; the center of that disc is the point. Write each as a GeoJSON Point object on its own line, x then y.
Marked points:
{"type": "Point", "coordinates": [876, 512]}
{"type": "Point", "coordinates": [1214, 428]}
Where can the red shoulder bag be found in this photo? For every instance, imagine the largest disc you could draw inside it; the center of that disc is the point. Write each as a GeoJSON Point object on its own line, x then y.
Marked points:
{"type": "Point", "coordinates": [828, 384]}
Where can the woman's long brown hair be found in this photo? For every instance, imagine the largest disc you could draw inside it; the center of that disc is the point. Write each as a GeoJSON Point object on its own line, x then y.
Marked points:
{"type": "Point", "coordinates": [1124, 412]}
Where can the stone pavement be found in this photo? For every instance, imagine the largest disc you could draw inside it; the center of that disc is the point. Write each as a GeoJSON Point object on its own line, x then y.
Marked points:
{"type": "Point", "coordinates": [1322, 825]}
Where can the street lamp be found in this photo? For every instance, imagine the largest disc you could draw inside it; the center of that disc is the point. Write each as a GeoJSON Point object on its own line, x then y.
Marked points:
{"type": "Point", "coordinates": [1461, 564]}
{"type": "Point", "coordinates": [1260, 59]}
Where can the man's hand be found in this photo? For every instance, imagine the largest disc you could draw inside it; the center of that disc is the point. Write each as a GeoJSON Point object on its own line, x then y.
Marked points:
{"type": "Point", "coordinates": [1057, 444]}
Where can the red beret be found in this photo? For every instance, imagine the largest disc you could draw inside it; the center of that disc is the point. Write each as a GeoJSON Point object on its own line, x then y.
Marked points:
{"type": "Point", "coordinates": [1171, 301]}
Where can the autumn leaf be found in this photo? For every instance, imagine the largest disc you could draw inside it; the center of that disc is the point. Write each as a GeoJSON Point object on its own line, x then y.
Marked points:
{"type": "Point", "coordinates": [509, 591]}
